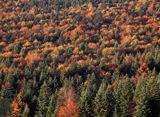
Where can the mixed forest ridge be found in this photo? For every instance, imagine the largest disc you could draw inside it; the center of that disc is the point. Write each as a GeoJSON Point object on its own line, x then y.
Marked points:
{"type": "Point", "coordinates": [79, 58]}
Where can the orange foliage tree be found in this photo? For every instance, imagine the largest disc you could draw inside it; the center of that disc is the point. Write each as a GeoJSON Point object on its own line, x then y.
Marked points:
{"type": "Point", "coordinates": [17, 105]}
{"type": "Point", "coordinates": [68, 106]}
{"type": "Point", "coordinates": [33, 57]}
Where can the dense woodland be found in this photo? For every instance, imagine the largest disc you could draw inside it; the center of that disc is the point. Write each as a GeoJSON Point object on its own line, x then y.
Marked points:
{"type": "Point", "coordinates": [79, 58]}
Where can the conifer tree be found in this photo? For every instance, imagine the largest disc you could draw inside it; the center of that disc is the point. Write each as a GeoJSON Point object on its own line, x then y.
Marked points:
{"type": "Point", "coordinates": [123, 94]}
{"type": "Point", "coordinates": [43, 98]}
{"type": "Point", "coordinates": [140, 95]}
{"type": "Point", "coordinates": [52, 105]}
{"type": "Point", "coordinates": [100, 101]}
{"type": "Point", "coordinates": [110, 101]}
{"type": "Point", "coordinates": [87, 96]}
{"type": "Point", "coordinates": [146, 89]}
{"type": "Point", "coordinates": [77, 83]}
{"type": "Point", "coordinates": [26, 111]}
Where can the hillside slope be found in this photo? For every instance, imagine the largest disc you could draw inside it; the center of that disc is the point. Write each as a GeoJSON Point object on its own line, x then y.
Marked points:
{"type": "Point", "coordinates": [79, 58]}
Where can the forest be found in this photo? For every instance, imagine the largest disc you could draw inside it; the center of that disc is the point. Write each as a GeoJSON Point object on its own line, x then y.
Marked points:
{"type": "Point", "coordinates": [79, 58]}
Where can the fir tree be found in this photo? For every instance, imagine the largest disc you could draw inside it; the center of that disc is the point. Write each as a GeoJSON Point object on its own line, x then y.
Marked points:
{"type": "Point", "coordinates": [124, 94]}
{"type": "Point", "coordinates": [26, 111]}
{"type": "Point", "coordinates": [140, 95]}
{"type": "Point", "coordinates": [43, 98]}
{"type": "Point", "coordinates": [100, 101]}
{"type": "Point", "coordinates": [52, 105]}
{"type": "Point", "coordinates": [146, 89]}
{"type": "Point", "coordinates": [87, 96]}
